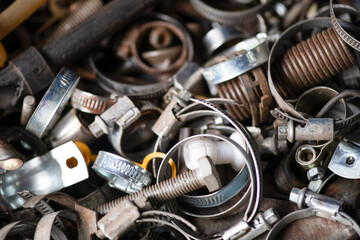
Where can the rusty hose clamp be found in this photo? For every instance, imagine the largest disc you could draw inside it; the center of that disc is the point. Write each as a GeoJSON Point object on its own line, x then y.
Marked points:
{"type": "Point", "coordinates": [138, 37]}
{"type": "Point", "coordinates": [322, 22]}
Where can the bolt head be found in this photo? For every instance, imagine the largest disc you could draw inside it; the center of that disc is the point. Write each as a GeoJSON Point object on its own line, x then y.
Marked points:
{"type": "Point", "coordinates": [315, 173]}
{"type": "Point", "coordinates": [271, 216]}
{"type": "Point", "coordinates": [98, 127]}
{"type": "Point", "coordinates": [207, 172]}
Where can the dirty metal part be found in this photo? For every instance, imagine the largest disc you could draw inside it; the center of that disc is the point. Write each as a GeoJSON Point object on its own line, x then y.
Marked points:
{"type": "Point", "coordinates": [86, 222]}
{"type": "Point", "coordinates": [262, 223]}
{"type": "Point", "coordinates": [160, 37]}
{"type": "Point", "coordinates": [315, 155]}
{"type": "Point", "coordinates": [167, 125]}
{"type": "Point", "coordinates": [316, 205]}
{"type": "Point", "coordinates": [250, 89]}
{"type": "Point", "coordinates": [218, 36]}
{"type": "Point", "coordinates": [61, 167]}
{"type": "Point", "coordinates": [230, 17]}
{"type": "Point", "coordinates": [121, 173]}
{"type": "Point", "coordinates": [311, 62]}
{"type": "Point", "coordinates": [78, 12]}
{"type": "Point", "coordinates": [120, 115]}
{"type": "Point", "coordinates": [316, 129]}
{"type": "Point", "coordinates": [174, 187]}
{"type": "Point", "coordinates": [129, 142]}
{"type": "Point", "coordinates": [139, 35]}
{"type": "Point", "coordinates": [91, 103]}
{"type": "Point", "coordinates": [10, 158]}
{"type": "Point", "coordinates": [315, 173]}
{"type": "Point", "coordinates": [308, 102]}
{"type": "Point", "coordinates": [118, 221]}
{"type": "Point", "coordinates": [43, 207]}
{"type": "Point", "coordinates": [224, 194]}
{"type": "Point", "coordinates": [187, 76]}
{"type": "Point", "coordinates": [53, 103]}
{"type": "Point", "coordinates": [44, 227]}
{"type": "Point", "coordinates": [71, 127]}
{"type": "Point", "coordinates": [28, 107]}
{"type": "Point", "coordinates": [61, 198]}
{"type": "Point", "coordinates": [345, 36]}
{"type": "Point", "coordinates": [219, 72]}
{"type": "Point", "coordinates": [35, 73]}
{"type": "Point", "coordinates": [345, 160]}
{"type": "Point", "coordinates": [291, 31]}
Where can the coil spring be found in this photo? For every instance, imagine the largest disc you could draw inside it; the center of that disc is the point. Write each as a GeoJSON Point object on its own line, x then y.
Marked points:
{"type": "Point", "coordinates": [248, 89]}
{"type": "Point", "coordinates": [311, 62]}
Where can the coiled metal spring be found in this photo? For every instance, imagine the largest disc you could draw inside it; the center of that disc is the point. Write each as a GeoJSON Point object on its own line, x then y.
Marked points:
{"type": "Point", "coordinates": [252, 90]}
{"type": "Point", "coordinates": [311, 62]}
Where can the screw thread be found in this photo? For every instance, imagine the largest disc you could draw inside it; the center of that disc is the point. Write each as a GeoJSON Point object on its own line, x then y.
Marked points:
{"type": "Point", "coordinates": [161, 192]}
{"type": "Point", "coordinates": [82, 11]}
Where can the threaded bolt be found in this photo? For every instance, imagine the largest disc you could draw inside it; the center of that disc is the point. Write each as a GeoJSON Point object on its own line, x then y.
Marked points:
{"type": "Point", "coordinates": [161, 192]}
{"type": "Point", "coordinates": [80, 11]}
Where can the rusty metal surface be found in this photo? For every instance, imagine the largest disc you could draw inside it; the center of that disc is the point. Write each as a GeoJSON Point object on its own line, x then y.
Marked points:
{"type": "Point", "coordinates": [311, 62]}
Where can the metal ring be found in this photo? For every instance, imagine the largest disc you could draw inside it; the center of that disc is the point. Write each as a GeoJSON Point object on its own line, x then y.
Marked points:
{"type": "Point", "coordinates": [224, 194]}
{"type": "Point", "coordinates": [218, 36]}
{"type": "Point", "coordinates": [154, 90]}
{"type": "Point", "coordinates": [229, 17]}
{"type": "Point", "coordinates": [322, 22]}
{"type": "Point", "coordinates": [238, 65]}
{"type": "Point", "coordinates": [53, 103]}
{"type": "Point", "coordinates": [121, 173]}
{"type": "Point", "coordinates": [90, 103]}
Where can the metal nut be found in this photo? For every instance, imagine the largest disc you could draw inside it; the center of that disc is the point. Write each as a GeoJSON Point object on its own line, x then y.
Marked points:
{"type": "Point", "coordinates": [315, 173]}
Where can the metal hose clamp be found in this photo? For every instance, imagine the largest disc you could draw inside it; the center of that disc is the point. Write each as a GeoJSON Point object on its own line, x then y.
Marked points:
{"type": "Point", "coordinates": [53, 103]}
{"type": "Point", "coordinates": [121, 173]}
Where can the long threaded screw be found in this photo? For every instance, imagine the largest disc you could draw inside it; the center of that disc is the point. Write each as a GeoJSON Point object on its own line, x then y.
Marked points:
{"type": "Point", "coordinates": [161, 192]}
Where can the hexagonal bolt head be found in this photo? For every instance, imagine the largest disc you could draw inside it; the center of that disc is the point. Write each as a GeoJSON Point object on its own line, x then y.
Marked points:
{"type": "Point", "coordinates": [98, 127]}
{"type": "Point", "coordinates": [271, 216]}
{"type": "Point", "coordinates": [315, 173]}
{"type": "Point", "coordinates": [208, 174]}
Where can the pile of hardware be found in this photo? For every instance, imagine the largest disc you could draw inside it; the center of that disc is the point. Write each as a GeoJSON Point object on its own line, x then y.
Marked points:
{"type": "Point", "coordinates": [189, 119]}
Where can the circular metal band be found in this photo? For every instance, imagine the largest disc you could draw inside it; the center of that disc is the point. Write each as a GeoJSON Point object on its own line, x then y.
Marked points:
{"type": "Point", "coordinates": [216, 37]}
{"type": "Point", "coordinates": [238, 65]}
{"type": "Point", "coordinates": [90, 103]}
{"type": "Point", "coordinates": [229, 17]}
{"type": "Point", "coordinates": [115, 168]}
{"type": "Point", "coordinates": [53, 102]}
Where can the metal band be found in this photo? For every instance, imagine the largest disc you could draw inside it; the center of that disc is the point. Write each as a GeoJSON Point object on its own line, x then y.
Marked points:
{"type": "Point", "coordinates": [52, 104]}
{"type": "Point", "coordinates": [90, 103]}
{"type": "Point", "coordinates": [229, 17]}
{"type": "Point", "coordinates": [305, 213]}
{"type": "Point", "coordinates": [236, 66]}
{"type": "Point", "coordinates": [216, 37]}
{"type": "Point", "coordinates": [351, 41]}
{"type": "Point", "coordinates": [124, 174]}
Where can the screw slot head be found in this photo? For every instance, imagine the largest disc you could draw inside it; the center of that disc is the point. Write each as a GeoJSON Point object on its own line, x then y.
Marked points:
{"type": "Point", "coordinates": [350, 160]}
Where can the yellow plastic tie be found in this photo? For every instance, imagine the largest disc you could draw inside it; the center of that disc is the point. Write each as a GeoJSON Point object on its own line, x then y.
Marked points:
{"type": "Point", "coordinates": [161, 155]}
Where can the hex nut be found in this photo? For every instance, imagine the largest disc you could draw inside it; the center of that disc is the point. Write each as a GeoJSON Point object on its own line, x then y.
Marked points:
{"type": "Point", "coordinates": [271, 216]}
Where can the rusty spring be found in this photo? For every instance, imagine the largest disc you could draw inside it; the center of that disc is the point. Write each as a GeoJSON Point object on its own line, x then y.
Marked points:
{"type": "Point", "coordinates": [252, 91]}
{"type": "Point", "coordinates": [311, 62]}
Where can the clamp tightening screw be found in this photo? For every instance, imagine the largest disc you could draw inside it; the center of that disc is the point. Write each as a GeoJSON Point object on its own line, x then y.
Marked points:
{"type": "Point", "coordinates": [172, 188]}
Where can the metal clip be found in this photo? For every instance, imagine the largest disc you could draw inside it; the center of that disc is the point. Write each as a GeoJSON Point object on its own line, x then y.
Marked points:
{"type": "Point", "coordinates": [262, 223]}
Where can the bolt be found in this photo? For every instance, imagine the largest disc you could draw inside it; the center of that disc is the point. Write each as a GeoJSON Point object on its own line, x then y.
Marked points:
{"type": "Point", "coordinates": [169, 189]}
{"type": "Point", "coordinates": [315, 173]}
{"type": "Point", "coordinates": [270, 216]}
{"type": "Point", "coordinates": [79, 11]}
{"type": "Point", "coordinates": [98, 127]}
